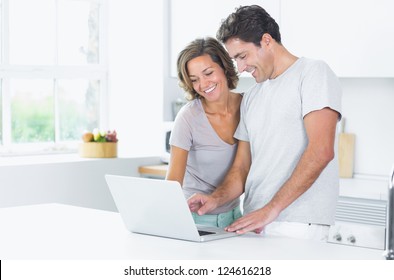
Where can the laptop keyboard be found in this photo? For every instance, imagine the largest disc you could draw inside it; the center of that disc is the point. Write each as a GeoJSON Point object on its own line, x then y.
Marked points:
{"type": "Point", "coordinates": [202, 232]}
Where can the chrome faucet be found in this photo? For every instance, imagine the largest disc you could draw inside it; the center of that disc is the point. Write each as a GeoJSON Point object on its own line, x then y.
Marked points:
{"type": "Point", "coordinates": [389, 254]}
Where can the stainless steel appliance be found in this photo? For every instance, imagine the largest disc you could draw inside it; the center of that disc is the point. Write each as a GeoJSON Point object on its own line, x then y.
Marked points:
{"type": "Point", "coordinates": [389, 253]}
{"type": "Point", "coordinates": [359, 222]}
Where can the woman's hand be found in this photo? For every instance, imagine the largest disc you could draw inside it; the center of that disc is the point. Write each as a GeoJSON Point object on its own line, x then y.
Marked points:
{"type": "Point", "coordinates": [201, 203]}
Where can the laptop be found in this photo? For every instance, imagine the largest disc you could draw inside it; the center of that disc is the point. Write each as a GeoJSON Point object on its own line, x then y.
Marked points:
{"type": "Point", "coordinates": [158, 207]}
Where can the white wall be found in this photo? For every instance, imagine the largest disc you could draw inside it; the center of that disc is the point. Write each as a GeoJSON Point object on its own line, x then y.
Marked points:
{"type": "Point", "coordinates": [368, 107]}
{"type": "Point", "coordinates": [136, 75]}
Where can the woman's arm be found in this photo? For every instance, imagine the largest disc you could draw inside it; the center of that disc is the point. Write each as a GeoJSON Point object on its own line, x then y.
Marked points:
{"type": "Point", "coordinates": [177, 164]}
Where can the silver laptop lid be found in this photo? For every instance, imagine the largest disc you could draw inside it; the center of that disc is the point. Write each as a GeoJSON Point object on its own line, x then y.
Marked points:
{"type": "Point", "coordinates": [153, 206]}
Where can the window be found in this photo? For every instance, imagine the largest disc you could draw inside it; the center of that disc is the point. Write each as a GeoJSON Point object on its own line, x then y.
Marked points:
{"type": "Point", "coordinates": [53, 73]}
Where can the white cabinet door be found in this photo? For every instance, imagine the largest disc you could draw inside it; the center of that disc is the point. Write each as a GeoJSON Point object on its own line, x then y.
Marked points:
{"type": "Point", "coordinates": [355, 37]}
{"type": "Point", "coordinates": [193, 19]}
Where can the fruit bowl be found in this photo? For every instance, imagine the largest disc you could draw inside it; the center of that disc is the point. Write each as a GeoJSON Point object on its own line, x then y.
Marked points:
{"type": "Point", "coordinates": [99, 144]}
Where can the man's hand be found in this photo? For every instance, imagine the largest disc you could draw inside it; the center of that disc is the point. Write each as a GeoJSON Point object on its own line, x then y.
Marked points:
{"type": "Point", "coordinates": [254, 221]}
{"type": "Point", "coordinates": [201, 203]}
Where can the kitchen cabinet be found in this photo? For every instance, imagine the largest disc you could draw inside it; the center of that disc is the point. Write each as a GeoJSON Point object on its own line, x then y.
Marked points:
{"type": "Point", "coordinates": [190, 20]}
{"type": "Point", "coordinates": [354, 37]}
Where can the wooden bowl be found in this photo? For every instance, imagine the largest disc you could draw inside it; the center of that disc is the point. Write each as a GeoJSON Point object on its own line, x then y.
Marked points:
{"type": "Point", "coordinates": [98, 149]}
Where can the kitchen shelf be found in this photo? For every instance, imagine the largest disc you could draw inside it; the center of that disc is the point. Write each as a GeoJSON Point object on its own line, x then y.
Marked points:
{"type": "Point", "coordinates": [154, 171]}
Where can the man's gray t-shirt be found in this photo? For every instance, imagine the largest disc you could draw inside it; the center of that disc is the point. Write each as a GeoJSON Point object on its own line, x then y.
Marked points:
{"type": "Point", "coordinates": [209, 157]}
{"type": "Point", "coordinates": [272, 115]}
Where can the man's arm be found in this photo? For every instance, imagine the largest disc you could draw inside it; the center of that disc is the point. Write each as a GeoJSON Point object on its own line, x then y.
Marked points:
{"type": "Point", "coordinates": [320, 128]}
{"type": "Point", "coordinates": [232, 186]}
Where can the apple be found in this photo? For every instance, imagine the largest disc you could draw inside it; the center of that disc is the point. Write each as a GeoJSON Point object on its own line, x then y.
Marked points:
{"type": "Point", "coordinates": [87, 137]}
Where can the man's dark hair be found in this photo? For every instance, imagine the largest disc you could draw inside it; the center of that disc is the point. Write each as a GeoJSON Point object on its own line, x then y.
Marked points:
{"type": "Point", "coordinates": [248, 23]}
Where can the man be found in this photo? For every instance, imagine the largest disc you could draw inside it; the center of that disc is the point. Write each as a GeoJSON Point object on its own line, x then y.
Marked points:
{"type": "Point", "coordinates": [284, 163]}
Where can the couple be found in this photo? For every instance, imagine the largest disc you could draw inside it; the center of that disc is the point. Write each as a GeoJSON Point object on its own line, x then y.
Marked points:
{"type": "Point", "coordinates": [274, 143]}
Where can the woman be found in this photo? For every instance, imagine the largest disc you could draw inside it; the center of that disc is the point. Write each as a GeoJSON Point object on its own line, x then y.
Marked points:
{"type": "Point", "coordinates": [202, 142]}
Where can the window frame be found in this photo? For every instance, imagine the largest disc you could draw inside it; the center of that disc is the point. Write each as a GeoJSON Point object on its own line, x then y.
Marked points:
{"type": "Point", "coordinates": [53, 72]}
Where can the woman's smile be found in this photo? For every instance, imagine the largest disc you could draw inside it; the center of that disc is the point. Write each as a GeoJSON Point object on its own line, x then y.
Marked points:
{"type": "Point", "coordinates": [209, 90]}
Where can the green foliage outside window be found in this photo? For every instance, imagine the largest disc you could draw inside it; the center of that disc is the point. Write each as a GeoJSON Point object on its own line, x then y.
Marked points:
{"type": "Point", "coordinates": [32, 121]}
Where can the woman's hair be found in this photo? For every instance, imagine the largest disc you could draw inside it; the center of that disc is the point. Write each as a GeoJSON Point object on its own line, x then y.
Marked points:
{"type": "Point", "coordinates": [248, 23]}
{"type": "Point", "coordinates": [218, 54]}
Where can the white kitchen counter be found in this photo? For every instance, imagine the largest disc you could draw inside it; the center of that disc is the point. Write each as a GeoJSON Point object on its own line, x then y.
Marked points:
{"type": "Point", "coordinates": [368, 188]}
{"type": "Point", "coordinates": [57, 231]}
